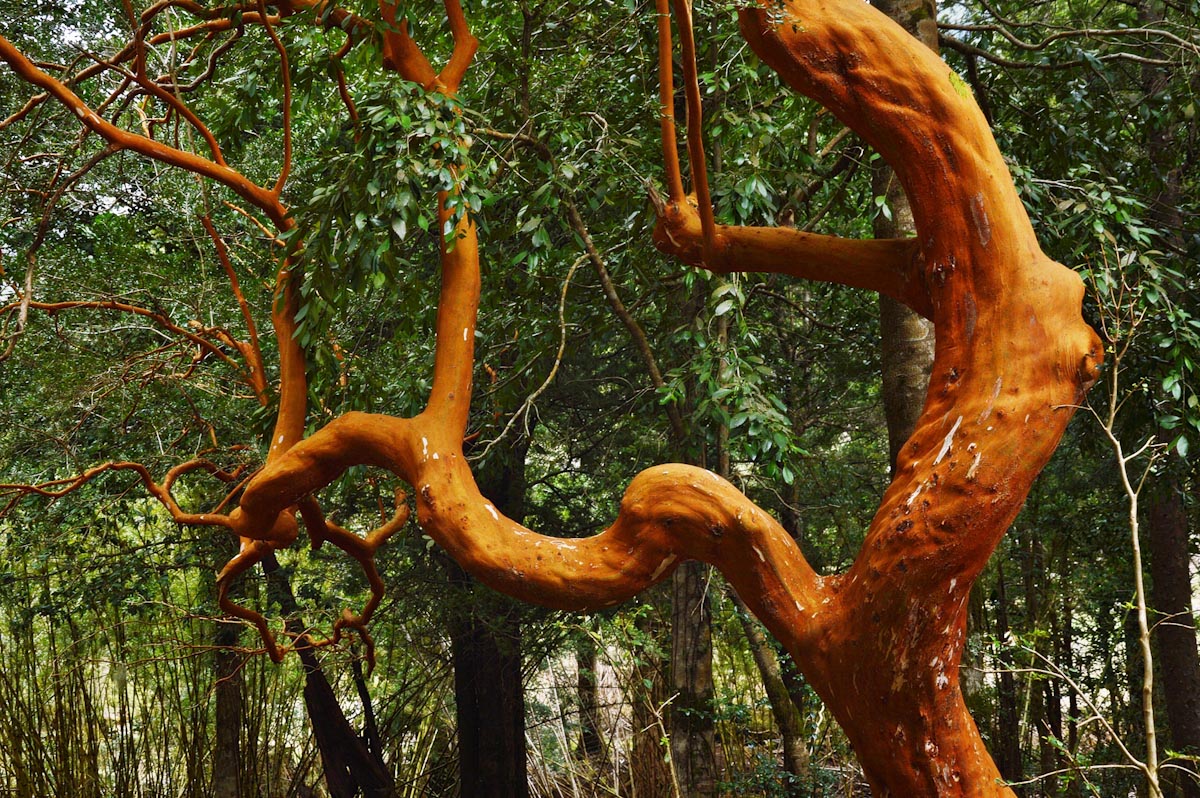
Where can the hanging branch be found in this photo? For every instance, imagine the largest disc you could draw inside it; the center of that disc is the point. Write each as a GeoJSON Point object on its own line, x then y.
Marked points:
{"type": "Point", "coordinates": [285, 72]}
{"type": "Point", "coordinates": [562, 346]}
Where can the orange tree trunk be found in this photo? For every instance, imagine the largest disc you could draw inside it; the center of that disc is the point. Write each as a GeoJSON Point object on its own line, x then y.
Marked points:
{"type": "Point", "coordinates": [882, 642]}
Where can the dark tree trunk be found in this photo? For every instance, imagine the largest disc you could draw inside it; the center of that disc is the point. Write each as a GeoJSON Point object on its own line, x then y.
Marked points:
{"type": "Point", "coordinates": [692, 729]}
{"type": "Point", "coordinates": [486, 650]}
{"type": "Point", "coordinates": [490, 706]}
{"type": "Point", "coordinates": [649, 768]}
{"type": "Point", "coordinates": [1035, 591]}
{"type": "Point", "coordinates": [1175, 632]}
{"type": "Point", "coordinates": [1168, 533]}
{"type": "Point", "coordinates": [370, 735]}
{"type": "Point", "coordinates": [1008, 742]}
{"type": "Point", "coordinates": [693, 752]}
{"type": "Point", "coordinates": [227, 755]}
{"type": "Point", "coordinates": [227, 759]}
{"type": "Point", "coordinates": [1068, 665]}
{"type": "Point", "coordinates": [351, 768]}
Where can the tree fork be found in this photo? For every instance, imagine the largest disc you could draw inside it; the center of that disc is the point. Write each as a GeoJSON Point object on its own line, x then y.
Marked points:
{"type": "Point", "coordinates": [881, 643]}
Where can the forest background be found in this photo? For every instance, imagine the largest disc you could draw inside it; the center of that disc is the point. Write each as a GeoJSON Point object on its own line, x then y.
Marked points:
{"type": "Point", "coordinates": [598, 357]}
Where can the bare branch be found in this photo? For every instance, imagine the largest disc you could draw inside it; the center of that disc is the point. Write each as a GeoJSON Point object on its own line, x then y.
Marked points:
{"type": "Point", "coordinates": [57, 488]}
{"type": "Point", "coordinates": [200, 336]}
{"type": "Point", "coordinates": [966, 48]}
{"type": "Point", "coordinates": [1147, 34]}
{"type": "Point", "coordinates": [562, 345]}
{"type": "Point", "coordinates": [695, 124]}
{"type": "Point", "coordinates": [286, 74]}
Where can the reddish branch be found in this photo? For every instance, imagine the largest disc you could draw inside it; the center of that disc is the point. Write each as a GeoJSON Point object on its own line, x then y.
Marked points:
{"type": "Point", "coordinates": [51, 197]}
{"type": "Point", "coordinates": [251, 351]}
{"type": "Point", "coordinates": [292, 403]}
{"type": "Point", "coordinates": [57, 488]}
{"type": "Point", "coordinates": [449, 393]}
{"type": "Point", "coordinates": [123, 139]}
{"type": "Point", "coordinates": [212, 21]}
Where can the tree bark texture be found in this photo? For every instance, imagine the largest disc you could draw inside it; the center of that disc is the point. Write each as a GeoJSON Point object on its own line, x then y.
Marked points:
{"type": "Point", "coordinates": [1167, 527]}
{"type": "Point", "coordinates": [489, 693]}
{"type": "Point", "coordinates": [880, 643]}
{"type": "Point", "coordinates": [227, 755]}
{"type": "Point", "coordinates": [693, 753]}
{"type": "Point", "coordinates": [650, 772]}
{"type": "Point", "coordinates": [489, 707]}
{"type": "Point", "coordinates": [1175, 631]}
{"type": "Point", "coordinates": [229, 710]}
{"type": "Point", "coordinates": [783, 708]}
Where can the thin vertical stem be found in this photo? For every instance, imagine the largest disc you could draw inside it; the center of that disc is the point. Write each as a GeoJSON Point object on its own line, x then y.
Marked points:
{"type": "Point", "coordinates": [666, 99]}
{"type": "Point", "coordinates": [695, 122]}
{"type": "Point", "coordinates": [286, 73]}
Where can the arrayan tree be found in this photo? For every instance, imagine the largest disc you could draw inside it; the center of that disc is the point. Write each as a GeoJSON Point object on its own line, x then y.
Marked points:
{"type": "Point", "coordinates": [881, 643]}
